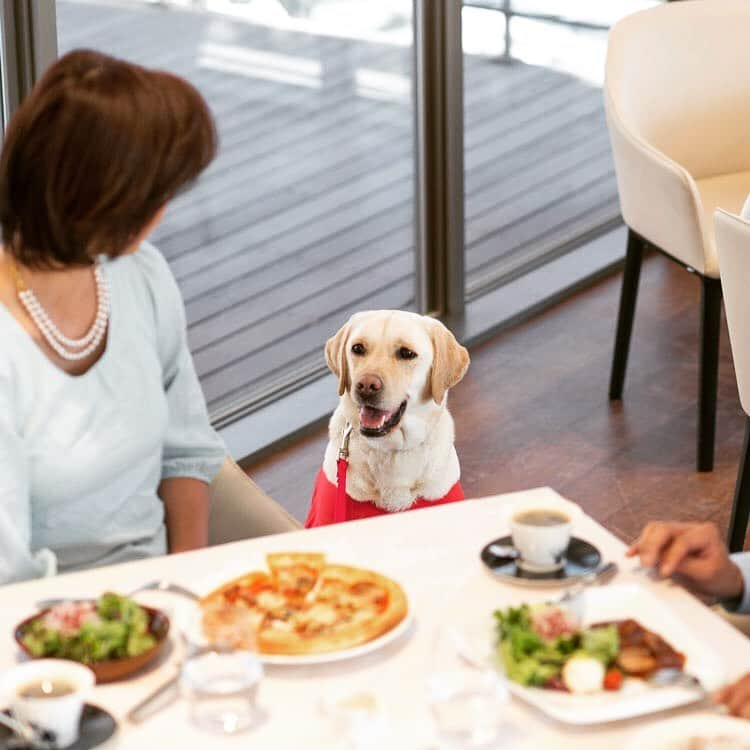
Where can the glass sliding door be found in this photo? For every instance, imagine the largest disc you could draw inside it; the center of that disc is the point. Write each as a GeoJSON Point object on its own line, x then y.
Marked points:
{"type": "Point", "coordinates": [307, 215]}
{"type": "Point", "coordinates": [539, 178]}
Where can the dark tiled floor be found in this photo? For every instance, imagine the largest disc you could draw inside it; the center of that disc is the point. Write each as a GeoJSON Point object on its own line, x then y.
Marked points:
{"type": "Point", "coordinates": [533, 410]}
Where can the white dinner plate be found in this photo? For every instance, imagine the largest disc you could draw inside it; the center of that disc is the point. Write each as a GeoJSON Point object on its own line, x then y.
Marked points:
{"type": "Point", "coordinates": [349, 653]}
{"type": "Point", "coordinates": [188, 621]}
{"type": "Point", "coordinates": [636, 698]}
{"type": "Point", "coordinates": [676, 734]}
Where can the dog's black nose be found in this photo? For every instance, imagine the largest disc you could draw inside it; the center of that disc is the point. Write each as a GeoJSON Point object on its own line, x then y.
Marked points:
{"type": "Point", "coordinates": [368, 385]}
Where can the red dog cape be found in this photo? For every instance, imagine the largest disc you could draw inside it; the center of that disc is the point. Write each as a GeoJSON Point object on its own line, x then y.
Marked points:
{"type": "Point", "coordinates": [322, 507]}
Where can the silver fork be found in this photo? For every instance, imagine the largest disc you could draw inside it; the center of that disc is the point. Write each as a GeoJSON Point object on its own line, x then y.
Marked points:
{"type": "Point", "coordinates": [673, 677]}
{"type": "Point", "coordinates": [600, 575]}
{"type": "Point", "coordinates": [157, 585]}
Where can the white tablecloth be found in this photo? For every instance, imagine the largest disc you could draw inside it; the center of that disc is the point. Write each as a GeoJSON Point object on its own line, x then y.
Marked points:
{"type": "Point", "coordinates": [435, 555]}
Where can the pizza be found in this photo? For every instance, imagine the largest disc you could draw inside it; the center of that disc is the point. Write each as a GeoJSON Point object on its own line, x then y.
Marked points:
{"type": "Point", "coordinates": [302, 605]}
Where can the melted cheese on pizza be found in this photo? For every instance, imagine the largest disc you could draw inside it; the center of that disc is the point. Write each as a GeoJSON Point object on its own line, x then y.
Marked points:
{"type": "Point", "coordinates": [299, 600]}
{"type": "Point", "coordinates": [270, 600]}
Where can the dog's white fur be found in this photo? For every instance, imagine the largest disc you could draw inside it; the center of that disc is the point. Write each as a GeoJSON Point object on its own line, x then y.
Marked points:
{"type": "Point", "coordinates": [416, 458]}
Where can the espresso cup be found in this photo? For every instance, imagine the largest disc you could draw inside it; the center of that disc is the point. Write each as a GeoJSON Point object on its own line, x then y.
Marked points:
{"type": "Point", "coordinates": [541, 535]}
{"type": "Point", "coordinates": [25, 690]}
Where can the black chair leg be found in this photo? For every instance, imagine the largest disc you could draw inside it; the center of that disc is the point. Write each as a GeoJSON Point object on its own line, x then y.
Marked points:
{"type": "Point", "coordinates": [708, 371]}
{"type": "Point", "coordinates": [631, 275]}
{"type": "Point", "coordinates": [741, 506]}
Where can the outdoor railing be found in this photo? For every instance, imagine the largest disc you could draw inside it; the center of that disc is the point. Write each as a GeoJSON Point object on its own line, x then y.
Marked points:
{"type": "Point", "coordinates": [509, 9]}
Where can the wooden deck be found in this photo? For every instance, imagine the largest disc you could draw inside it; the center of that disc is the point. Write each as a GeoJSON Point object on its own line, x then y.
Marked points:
{"type": "Point", "coordinates": [307, 214]}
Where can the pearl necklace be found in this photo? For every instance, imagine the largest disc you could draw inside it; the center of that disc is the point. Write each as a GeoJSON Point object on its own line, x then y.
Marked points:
{"type": "Point", "coordinates": [67, 348]}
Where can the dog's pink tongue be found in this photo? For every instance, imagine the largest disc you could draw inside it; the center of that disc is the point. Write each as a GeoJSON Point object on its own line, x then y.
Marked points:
{"type": "Point", "coordinates": [373, 418]}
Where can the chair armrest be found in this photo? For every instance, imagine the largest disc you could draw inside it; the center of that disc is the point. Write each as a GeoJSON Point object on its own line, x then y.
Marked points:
{"type": "Point", "coordinates": [239, 509]}
{"type": "Point", "coordinates": [658, 197]}
{"type": "Point", "coordinates": [733, 248]}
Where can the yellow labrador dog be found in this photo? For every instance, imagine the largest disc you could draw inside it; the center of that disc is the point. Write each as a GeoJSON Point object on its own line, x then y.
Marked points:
{"type": "Point", "coordinates": [394, 369]}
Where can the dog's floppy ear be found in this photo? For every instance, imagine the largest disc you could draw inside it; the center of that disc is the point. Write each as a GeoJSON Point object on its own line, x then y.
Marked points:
{"type": "Point", "coordinates": [450, 361]}
{"type": "Point", "coordinates": [336, 356]}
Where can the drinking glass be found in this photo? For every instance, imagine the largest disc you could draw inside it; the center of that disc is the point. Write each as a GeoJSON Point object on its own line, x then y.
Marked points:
{"type": "Point", "coordinates": [357, 719]}
{"type": "Point", "coordinates": [222, 690]}
{"type": "Point", "coordinates": [467, 698]}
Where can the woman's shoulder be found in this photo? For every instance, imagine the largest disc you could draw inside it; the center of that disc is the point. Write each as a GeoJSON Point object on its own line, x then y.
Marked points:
{"type": "Point", "coordinates": [151, 266]}
{"type": "Point", "coordinates": [148, 274]}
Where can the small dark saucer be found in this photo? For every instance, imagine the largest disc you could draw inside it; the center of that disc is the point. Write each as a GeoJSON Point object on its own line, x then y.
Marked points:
{"type": "Point", "coordinates": [97, 726]}
{"type": "Point", "coordinates": [580, 558]}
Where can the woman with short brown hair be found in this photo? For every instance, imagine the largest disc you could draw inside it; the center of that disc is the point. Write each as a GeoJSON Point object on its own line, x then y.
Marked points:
{"type": "Point", "coordinates": [106, 450]}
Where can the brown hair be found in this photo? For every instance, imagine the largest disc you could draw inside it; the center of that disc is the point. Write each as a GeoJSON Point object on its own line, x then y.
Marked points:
{"type": "Point", "coordinates": [94, 151]}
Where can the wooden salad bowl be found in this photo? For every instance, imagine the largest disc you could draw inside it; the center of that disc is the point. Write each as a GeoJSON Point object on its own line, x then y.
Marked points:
{"type": "Point", "coordinates": [111, 670]}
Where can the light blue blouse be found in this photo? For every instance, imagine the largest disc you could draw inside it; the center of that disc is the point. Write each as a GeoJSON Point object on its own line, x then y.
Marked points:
{"type": "Point", "coordinates": [81, 457]}
{"type": "Point", "coordinates": [743, 563]}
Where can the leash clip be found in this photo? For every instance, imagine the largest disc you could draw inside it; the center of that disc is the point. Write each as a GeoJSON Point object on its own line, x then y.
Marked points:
{"type": "Point", "coordinates": [344, 447]}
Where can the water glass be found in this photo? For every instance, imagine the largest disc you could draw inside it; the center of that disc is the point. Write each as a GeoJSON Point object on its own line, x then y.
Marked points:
{"type": "Point", "coordinates": [222, 690]}
{"type": "Point", "coordinates": [357, 719]}
{"type": "Point", "coordinates": [467, 701]}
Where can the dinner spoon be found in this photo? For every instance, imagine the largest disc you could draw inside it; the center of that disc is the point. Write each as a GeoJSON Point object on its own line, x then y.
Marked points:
{"type": "Point", "coordinates": [157, 585]}
{"type": "Point", "coordinates": [28, 733]}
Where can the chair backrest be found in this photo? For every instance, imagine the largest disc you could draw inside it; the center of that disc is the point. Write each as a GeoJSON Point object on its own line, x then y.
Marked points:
{"type": "Point", "coordinates": [733, 247]}
{"type": "Point", "coordinates": [241, 510]}
{"type": "Point", "coordinates": [679, 78]}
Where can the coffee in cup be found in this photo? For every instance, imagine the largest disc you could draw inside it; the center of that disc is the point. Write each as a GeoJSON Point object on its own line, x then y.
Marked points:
{"type": "Point", "coordinates": [541, 535]}
{"type": "Point", "coordinates": [49, 693]}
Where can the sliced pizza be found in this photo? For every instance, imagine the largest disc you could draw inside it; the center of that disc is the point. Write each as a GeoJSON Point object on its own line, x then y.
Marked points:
{"type": "Point", "coordinates": [304, 607]}
{"type": "Point", "coordinates": [296, 573]}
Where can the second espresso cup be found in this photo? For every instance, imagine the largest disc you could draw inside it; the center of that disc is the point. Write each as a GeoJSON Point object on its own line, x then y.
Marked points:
{"type": "Point", "coordinates": [31, 692]}
{"type": "Point", "coordinates": [541, 535]}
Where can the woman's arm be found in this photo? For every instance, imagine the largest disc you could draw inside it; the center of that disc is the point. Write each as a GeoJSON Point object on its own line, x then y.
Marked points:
{"type": "Point", "coordinates": [186, 511]}
{"type": "Point", "coordinates": [192, 453]}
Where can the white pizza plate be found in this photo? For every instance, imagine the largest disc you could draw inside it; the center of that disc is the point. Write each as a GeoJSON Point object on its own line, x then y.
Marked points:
{"type": "Point", "coordinates": [675, 734]}
{"type": "Point", "coordinates": [188, 616]}
{"type": "Point", "coordinates": [636, 698]}
{"type": "Point", "coordinates": [350, 653]}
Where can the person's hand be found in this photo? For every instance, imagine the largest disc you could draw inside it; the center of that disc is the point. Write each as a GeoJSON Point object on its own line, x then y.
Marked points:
{"type": "Point", "coordinates": [736, 697]}
{"type": "Point", "coordinates": [695, 552]}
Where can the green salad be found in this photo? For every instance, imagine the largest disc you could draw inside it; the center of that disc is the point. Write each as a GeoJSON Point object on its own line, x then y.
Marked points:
{"type": "Point", "coordinates": [113, 627]}
{"type": "Point", "coordinates": [542, 646]}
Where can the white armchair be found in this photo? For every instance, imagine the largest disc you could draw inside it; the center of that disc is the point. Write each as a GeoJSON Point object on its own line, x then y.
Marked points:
{"type": "Point", "coordinates": [239, 509]}
{"type": "Point", "coordinates": [677, 99]}
{"type": "Point", "coordinates": [733, 244]}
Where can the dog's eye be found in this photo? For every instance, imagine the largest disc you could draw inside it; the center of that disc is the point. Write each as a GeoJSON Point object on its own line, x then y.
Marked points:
{"type": "Point", "coordinates": [358, 349]}
{"type": "Point", "coordinates": [404, 353]}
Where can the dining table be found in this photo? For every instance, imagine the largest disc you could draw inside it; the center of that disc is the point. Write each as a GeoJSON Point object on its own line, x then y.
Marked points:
{"type": "Point", "coordinates": [434, 553]}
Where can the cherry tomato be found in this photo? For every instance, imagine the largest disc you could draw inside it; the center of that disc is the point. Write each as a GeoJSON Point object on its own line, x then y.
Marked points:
{"type": "Point", "coordinates": [613, 679]}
